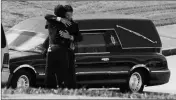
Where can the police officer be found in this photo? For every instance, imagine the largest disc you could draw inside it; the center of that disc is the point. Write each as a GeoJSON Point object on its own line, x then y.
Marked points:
{"type": "Point", "coordinates": [63, 32]}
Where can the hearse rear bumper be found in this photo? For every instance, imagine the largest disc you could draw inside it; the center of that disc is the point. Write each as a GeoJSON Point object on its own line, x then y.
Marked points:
{"type": "Point", "coordinates": [159, 77]}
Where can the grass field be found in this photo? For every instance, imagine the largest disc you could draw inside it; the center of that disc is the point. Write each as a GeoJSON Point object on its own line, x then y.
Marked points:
{"type": "Point", "coordinates": [161, 12]}
{"type": "Point", "coordinates": [56, 93]}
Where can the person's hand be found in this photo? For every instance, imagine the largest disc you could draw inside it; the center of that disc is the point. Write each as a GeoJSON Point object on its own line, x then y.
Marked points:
{"type": "Point", "coordinates": [65, 22]}
{"type": "Point", "coordinates": [65, 34]}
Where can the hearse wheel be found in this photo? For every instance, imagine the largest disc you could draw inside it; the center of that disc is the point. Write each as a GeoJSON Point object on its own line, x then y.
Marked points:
{"type": "Point", "coordinates": [21, 79]}
{"type": "Point", "coordinates": [135, 82]}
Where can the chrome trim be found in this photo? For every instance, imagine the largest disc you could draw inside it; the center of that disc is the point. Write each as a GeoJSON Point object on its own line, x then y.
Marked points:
{"type": "Point", "coordinates": [91, 33]}
{"type": "Point", "coordinates": [100, 62]}
{"type": "Point", "coordinates": [93, 53]}
{"type": "Point", "coordinates": [138, 66]}
{"type": "Point", "coordinates": [24, 66]}
{"type": "Point", "coordinates": [91, 45]}
{"type": "Point", "coordinates": [39, 65]}
{"type": "Point", "coordinates": [41, 74]}
{"type": "Point", "coordinates": [110, 81]}
{"type": "Point", "coordinates": [113, 40]}
{"type": "Point", "coordinates": [133, 47]}
{"type": "Point", "coordinates": [118, 39]}
{"type": "Point", "coordinates": [139, 47]}
{"type": "Point", "coordinates": [105, 59]}
{"type": "Point", "coordinates": [97, 29]}
{"type": "Point", "coordinates": [160, 71]}
{"type": "Point", "coordinates": [136, 33]}
{"type": "Point", "coordinates": [103, 72]}
{"type": "Point", "coordinates": [26, 60]}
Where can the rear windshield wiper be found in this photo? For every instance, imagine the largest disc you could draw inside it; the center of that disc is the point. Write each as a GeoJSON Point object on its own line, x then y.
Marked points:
{"type": "Point", "coordinates": [136, 33]}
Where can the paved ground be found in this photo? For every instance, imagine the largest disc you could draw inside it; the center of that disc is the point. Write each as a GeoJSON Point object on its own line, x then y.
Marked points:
{"type": "Point", "coordinates": [170, 86]}
{"type": "Point", "coordinates": [168, 36]}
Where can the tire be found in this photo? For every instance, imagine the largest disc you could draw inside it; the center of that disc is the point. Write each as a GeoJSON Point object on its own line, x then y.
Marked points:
{"type": "Point", "coordinates": [22, 77]}
{"type": "Point", "coordinates": [135, 83]}
{"type": "Point", "coordinates": [139, 84]}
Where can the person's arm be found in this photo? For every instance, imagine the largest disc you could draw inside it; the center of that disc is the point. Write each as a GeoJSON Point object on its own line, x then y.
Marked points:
{"type": "Point", "coordinates": [77, 37]}
{"type": "Point", "coordinates": [52, 18]}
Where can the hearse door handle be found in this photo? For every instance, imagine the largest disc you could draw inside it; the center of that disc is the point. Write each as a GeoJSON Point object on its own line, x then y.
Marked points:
{"type": "Point", "coordinates": [105, 59]}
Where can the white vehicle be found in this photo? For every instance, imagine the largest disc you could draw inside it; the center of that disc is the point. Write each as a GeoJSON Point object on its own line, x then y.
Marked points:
{"type": "Point", "coordinates": [5, 73]}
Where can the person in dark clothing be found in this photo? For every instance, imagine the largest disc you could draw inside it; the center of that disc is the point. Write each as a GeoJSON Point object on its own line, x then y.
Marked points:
{"type": "Point", "coordinates": [63, 32]}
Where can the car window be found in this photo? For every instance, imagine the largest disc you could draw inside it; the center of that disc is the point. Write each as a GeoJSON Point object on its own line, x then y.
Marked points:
{"type": "Point", "coordinates": [3, 38]}
{"type": "Point", "coordinates": [24, 40]}
{"type": "Point", "coordinates": [112, 38]}
{"type": "Point", "coordinates": [92, 42]}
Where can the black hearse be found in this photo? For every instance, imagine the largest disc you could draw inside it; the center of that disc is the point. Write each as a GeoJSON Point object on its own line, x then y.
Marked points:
{"type": "Point", "coordinates": [116, 51]}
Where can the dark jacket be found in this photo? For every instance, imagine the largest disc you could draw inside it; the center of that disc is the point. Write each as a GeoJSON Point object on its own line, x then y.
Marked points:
{"type": "Point", "coordinates": [54, 26]}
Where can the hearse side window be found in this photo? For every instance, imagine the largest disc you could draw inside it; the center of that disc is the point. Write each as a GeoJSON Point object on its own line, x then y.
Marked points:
{"type": "Point", "coordinates": [92, 42]}
{"type": "Point", "coordinates": [112, 38]}
{"type": "Point", "coordinates": [113, 43]}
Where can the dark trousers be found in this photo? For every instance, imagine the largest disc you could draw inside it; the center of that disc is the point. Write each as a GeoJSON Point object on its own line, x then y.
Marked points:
{"type": "Point", "coordinates": [60, 69]}
{"type": "Point", "coordinates": [71, 69]}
